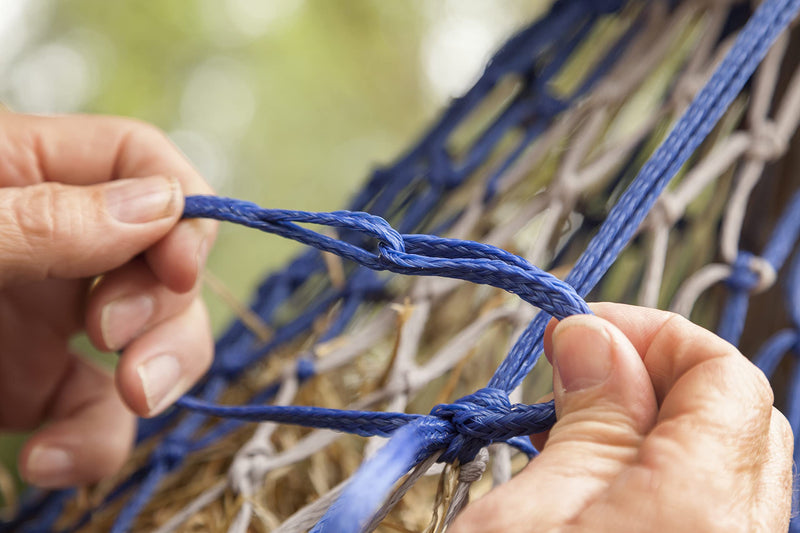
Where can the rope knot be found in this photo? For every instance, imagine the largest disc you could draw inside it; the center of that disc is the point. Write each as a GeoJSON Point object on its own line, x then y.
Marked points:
{"type": "Point", "coordinates": [751, 273]}
{"type": "Point", "coordinates": [473, 471]}
{"type": "Point", "coordinates": [484, 417]}
{"type": "Point", "coordinates": [767, 143]}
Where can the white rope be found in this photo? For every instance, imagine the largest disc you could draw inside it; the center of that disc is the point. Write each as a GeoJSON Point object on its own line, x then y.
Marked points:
{"type": "Point", "coordinates": [766, 140]}
{"type": "Point", "coordinates": [468, 474]}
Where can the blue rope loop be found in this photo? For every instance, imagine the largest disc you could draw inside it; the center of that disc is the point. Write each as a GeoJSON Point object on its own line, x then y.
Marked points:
{"type": "Point", "coordinates": [743, 277]}
{"type": "Point", "coordinates": [418, 255]}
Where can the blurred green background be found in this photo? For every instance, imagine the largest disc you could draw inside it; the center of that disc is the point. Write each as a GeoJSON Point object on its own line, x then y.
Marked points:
{"type": "Point", "coordinates": [288, 103]}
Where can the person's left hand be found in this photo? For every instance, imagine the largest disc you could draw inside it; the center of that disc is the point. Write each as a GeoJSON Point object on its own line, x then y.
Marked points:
{"type": "Point", "coordinates": [82, 197]}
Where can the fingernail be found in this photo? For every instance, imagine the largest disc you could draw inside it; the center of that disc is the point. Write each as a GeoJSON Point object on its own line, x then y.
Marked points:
{"type": "Point", "coordinates": [122, 319]}
{"type": "Point", "coordinates": [582, 353]}
{"type": "Point", "coordinates": [161, 381]}
{"type": "Point", "coordinates": [140, 200]}
{"type": "Point", "coordinates": [49, 467]}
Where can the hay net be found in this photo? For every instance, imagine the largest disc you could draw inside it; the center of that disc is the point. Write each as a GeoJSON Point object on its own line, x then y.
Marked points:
{"type": "Point", "coordinates": [610, 144]}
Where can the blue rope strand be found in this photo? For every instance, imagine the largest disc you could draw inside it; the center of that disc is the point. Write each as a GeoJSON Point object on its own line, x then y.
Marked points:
{"type": "Point", "coordinates": [419, 255]}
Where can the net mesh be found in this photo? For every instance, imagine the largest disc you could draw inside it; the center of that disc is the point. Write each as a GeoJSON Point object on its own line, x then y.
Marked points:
{"type": "Point", "coordinates": [530, 160]}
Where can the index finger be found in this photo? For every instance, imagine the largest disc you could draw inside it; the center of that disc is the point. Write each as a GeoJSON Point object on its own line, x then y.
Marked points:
{"type": "Point", "coordinates": [671, 346]}
{"type": "Point", "coordinates": [716, 428]}
{"type": "Point", "coordinates": [714, 404]}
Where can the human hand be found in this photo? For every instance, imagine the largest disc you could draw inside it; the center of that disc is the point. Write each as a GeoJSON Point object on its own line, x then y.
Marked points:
{"type": "Point", "coordinates": [84, 196]}
{"type": "Point", "coordinates": [662, 427]}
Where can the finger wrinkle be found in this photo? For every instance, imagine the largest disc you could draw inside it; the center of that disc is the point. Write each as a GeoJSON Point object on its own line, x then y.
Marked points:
{"type": "Point", "coordinates": [722, 462]}
{"type": "Point", "coordinates": [678, 347]}
{"type": "Point", "coordinates": [598, 422]}
{"type": "Point", "coordinates": [20, 163]}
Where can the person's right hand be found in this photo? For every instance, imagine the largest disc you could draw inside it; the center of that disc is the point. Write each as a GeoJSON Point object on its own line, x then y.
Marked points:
{"type": "Point", "coordinates": [662, 427]}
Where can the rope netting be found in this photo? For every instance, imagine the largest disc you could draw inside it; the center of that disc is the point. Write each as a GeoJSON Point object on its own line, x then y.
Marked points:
{"type": "Point", "coordinates": [602, 152]}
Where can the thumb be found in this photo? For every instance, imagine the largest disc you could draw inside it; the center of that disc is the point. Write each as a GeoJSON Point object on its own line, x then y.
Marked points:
{"type": "Point", "coordinates": [600, 383]}
{"type": "Point", "coordinates": [605, 404]}
{"type": "Point", "coordinates": [63, 231]}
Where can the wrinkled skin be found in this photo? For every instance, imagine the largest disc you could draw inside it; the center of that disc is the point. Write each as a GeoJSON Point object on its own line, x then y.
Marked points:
{"type": "Point", "coordinates": [69, 213]}
{"type": "Point", "coordinates": [662, 427]}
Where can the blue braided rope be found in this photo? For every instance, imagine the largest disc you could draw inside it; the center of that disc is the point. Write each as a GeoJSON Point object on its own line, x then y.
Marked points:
{"type": "Point", "coordinates": [418, 255]}
{"type": "Point", "coordinates": [396, 259]}
{"type": "Point", "coordinates": [369, 486]}
{"type": "Point", "coordinates": [465, 426]}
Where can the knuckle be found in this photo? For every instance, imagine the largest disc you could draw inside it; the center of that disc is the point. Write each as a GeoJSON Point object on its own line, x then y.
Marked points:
{"type": "Point", "coordinates": [782, 431]}
{"type": "Point", "coordinates": [155, 150]}
{"type": "Point", "coordinates": [34, 212]}
{"type": "Point", "coordinates": [43, 216]}
{"type": "Point", "coordinates": [673, 330]}
{"type": "Point", "coordinates": [151, 144]}
{"type": "Point", "coordinates": [762, 390]}
{"type": "Point", "coordinates": [42, 224]}
{"type": "Point", "coordinates": [676, 322]}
